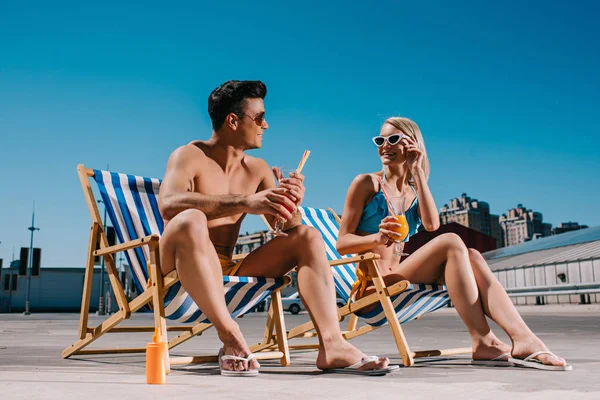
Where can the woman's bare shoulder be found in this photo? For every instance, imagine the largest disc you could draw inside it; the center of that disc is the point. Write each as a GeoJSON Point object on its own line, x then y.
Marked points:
{"type": "Point", "coordinates": [366, 181]}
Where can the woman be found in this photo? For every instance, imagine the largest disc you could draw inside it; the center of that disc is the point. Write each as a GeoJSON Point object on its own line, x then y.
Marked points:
{"type": "Point", "coordinates": [474, 290]}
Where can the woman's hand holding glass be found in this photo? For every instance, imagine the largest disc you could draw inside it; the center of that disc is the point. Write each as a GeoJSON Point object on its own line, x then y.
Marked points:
{"type": "Point", "coordinates": [401, 228]}
{"type": "Point", "coordinates": [387, 231]}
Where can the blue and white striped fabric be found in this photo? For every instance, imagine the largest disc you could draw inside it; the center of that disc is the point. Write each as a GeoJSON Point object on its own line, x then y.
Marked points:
{"type": "Point", "coordinates": [132, 206]}
{"type": "Point", "coordinates": [417, 300]}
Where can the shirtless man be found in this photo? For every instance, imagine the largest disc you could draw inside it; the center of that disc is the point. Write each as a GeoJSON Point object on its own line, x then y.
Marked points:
{"type": "Point", "coordinates": [208, 188]}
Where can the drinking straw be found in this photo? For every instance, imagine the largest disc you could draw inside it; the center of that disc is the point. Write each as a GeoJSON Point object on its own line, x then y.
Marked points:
{"type": "Point", "coordinates": [303, 161]}
{"type": "Point", "coordinates": [387, 198]}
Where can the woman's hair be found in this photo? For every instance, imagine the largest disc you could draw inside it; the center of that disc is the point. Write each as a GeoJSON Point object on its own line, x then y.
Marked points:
{"type": "Point", "coordinates": [410, 128]}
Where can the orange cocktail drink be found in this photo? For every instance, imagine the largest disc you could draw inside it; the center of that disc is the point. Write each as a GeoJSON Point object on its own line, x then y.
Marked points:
{"type": "Point", "coordinates": [403, 228]}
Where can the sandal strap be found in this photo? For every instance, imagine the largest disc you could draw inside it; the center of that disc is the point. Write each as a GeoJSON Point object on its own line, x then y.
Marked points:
{"type": "Point", "coordinates": [537, 353]}
{"type": "Point", "coordinates": [237, 358]}
{"type": "Point", "coordinates": [501, 357]}
{"type": "Point", "coordinates": [363, 361]}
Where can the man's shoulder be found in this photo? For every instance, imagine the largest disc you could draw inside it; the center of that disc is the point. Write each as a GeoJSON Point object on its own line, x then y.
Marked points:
{"type": "Point", "coordinates": [256, 164]}
{"type": "Point", "coordinates": [192, 150]}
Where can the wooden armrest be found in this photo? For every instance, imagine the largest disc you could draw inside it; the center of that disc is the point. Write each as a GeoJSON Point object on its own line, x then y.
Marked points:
{"type": "Point", "coordinates": [396, 288]}
{"type": "Point", "coordinates": [366, 301]}
{"type": "Point", "coordinates": [350, 260]}
{"type": "Point", "coordinates": [127, 245]}
{"type": "Point", "coordinates": [88, 171]}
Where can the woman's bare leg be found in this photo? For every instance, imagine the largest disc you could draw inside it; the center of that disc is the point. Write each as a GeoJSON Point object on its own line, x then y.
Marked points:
{"type": "Point", "coordinates": [445, 260]}
{"type": "Point", "coordinates": [500, 309]}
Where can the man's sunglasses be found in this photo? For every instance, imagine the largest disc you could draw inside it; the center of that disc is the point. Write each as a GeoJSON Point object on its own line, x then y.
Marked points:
{"type": "Point", "coordinates": [258, 120]}
{"type": "Point", "coordinates": [392, 139]}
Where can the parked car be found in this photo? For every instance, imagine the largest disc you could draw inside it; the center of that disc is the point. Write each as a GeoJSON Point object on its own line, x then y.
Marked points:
{"type": "Point", "coordinates": [293, 303]}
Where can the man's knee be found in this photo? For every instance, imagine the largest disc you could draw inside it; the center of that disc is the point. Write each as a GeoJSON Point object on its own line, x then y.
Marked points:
{"type": "Point", "coordinates": [308, 237]}
{"type": "Point", "coordinates": [189, 224]}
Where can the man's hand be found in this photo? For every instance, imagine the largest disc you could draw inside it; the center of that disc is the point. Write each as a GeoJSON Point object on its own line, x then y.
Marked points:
{"type": "Point", "coordinates": [275, 202]}
{"type": "Point", "coordinates": [294, 186]}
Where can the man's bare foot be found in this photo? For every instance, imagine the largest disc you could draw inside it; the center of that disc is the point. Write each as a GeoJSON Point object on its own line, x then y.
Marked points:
{"type": "Point", "coordinates": [489, 349]}
{"type": "Point", "coordinates": [234, 344]}
{"type": "Point", "coordinates": [341, 354]}
{"type": "Point", "coordinates": [524, 348]}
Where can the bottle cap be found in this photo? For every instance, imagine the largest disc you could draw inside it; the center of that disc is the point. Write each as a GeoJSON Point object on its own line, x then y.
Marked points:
{"type": "Point", "coordinates": [157, 337]}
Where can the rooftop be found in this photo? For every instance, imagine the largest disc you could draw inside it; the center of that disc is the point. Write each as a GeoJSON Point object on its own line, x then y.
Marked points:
{"type": "Point", "coordinates": [556, 255]}
{"type": "Point", "coordinates": [550, 242]}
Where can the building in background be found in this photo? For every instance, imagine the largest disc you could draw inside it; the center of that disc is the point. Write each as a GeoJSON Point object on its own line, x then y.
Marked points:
{"type": "Point", "coordinates": [473, 214]}
{"type": "Point", "coordinates": [521, 225]}
{"type": "Point", "coordinates": [567, 227]}
{"type": "Point", "coordinates": [570, 259]}
{"type": "Point", "coordinates": [60, 289]}
{"type": "Point", "coordinates": [55, 289]}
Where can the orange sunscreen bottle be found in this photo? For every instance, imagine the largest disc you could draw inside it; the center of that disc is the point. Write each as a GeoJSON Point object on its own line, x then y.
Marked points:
{"type": "Point", "coordinates": [155, 359]}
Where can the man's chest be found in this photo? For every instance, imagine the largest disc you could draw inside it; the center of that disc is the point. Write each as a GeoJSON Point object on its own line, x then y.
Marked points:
{"type": "Point", "coordinates": [214, 181]}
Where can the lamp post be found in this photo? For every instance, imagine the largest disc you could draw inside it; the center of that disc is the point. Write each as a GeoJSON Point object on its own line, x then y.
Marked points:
{"type": "Point", "coordinates": [101, 298]}
{"type": "Point", "coordinates": [32, 228]}
{"type": "Point", "coordinates": [10, 277]}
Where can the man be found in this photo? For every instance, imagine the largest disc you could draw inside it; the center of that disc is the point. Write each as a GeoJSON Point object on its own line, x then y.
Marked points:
{"type": "Point", "coordinates": [208, 188]}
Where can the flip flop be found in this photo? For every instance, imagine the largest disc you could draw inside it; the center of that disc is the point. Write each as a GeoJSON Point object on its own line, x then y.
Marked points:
{"type": "Point", "coordinates": [226, 372]}
{"type": "Point", "coordinates": [532, 362]}
{"type": "Point", "coordinates": [354, 368]}
{"type": "Point", "coordinates": [500, 361]}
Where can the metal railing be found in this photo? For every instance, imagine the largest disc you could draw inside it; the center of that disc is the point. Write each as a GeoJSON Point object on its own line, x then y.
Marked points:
{"type": "Point", "coordinates": [553, 290]}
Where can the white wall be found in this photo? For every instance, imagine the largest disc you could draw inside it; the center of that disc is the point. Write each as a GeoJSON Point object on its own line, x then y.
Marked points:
{"type": "Point", "coordinates": [546, 275]}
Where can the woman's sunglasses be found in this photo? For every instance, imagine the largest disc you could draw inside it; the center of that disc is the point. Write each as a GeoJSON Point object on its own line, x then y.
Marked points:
{"type": "Point", "coordinates": [392, 139]}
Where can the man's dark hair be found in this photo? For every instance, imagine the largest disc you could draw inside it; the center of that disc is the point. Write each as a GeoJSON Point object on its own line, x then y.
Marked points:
{"type": "Point", "coordinates": [229, 98]}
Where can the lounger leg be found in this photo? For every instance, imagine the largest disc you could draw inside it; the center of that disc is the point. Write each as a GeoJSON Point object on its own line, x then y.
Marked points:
{"type": "Point", "coordinates": [282, 342]}
{"type": "Point", "coordinates": [269, 340]}
{"type": "Point", "coordinates": [268, 336]}
{"type": "Point", "coordinates": [105, 327]}
{"type": "Point", "coordinates": [352, 323]}
{"type": "Point", "coordinates": [390, 314]}
{"type": "Point", "coordinates": [403, 349]}
{"type": "Point", "coordinates": [157, 298]}
{"type": "Point", "coordinates": [87, 282]}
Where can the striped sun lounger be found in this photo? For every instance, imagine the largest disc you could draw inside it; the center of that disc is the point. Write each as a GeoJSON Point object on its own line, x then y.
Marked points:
{"type": "Point", "coordinates": [394, 305]}
{"type": "Point", "coordinates": [132, 206]}
{"type": "Point", "coordinates": [415, 301]}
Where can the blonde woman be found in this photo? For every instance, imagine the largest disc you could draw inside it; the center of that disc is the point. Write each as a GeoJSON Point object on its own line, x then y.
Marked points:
{"type": "Point", "coordinates": [475, 292]}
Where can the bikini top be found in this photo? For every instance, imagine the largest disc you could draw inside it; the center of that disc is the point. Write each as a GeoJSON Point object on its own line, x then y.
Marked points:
{"type": "Point", "coordinates": [377, 209]}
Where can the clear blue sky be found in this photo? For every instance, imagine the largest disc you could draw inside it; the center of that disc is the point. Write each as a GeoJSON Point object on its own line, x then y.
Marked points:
{"type": "Point", "coordinates": [507, 96]}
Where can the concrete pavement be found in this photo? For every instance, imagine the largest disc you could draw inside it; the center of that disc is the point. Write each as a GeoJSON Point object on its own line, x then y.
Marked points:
{"type": "Point", "coordinates": [31, 366]}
